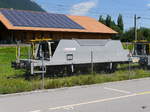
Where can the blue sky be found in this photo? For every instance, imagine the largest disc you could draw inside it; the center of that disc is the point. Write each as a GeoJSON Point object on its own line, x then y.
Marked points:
{"type": "Point", "coordinates": [95, 8]}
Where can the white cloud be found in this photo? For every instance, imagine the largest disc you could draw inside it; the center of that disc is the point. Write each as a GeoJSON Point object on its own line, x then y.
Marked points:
{"type": "Point", "coordinates": [148, 5]}
{"type": "Point", "coordinates": [83, 8]}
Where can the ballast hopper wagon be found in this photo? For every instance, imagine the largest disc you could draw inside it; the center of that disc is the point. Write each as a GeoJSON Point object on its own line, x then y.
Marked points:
{"type": "Point", "coordinates": [73, 55]}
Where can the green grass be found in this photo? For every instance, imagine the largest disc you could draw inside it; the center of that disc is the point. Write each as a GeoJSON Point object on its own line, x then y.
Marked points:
{"type": "Point", "coordinates": [13, 81]}
{"type": "Point", "coordinates": [7, 55]}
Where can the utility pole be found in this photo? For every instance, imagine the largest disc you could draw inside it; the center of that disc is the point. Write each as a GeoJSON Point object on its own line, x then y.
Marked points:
{"type": "Point", "coordinates": [135, 32]}
{"type": "Point", "coordinates": [135, 28]}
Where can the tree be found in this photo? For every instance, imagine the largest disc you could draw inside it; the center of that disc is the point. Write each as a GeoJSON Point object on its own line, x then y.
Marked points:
{"type": "Point", "coordinates": [120, 23]}
{"type": "Point", "coordinates": [128, 36]}
{"type": "Point", "coordinates": [102, 20]}
{"type": "Point", "coordinates": [119, 27]}
{"type": "Point", "coordinates": [108, 21]}
{"type": "Point", "coordinates": [142, 34]}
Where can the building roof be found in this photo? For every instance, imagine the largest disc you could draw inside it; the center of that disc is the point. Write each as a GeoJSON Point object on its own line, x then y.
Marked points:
{"type": "Point", "coordinates": [42, 21]}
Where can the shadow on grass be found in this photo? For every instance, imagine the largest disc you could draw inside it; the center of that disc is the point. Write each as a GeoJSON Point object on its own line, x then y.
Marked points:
{"type": "Point", "coordinates": [122, 67]}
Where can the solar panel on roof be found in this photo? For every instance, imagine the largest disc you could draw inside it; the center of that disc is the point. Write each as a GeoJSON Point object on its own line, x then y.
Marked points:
{"type": "Point", "coordinates": [39, 19]}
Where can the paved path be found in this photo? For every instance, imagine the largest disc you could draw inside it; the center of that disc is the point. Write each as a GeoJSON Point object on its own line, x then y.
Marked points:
{"type": "Point", "coordinates": [125, 96]}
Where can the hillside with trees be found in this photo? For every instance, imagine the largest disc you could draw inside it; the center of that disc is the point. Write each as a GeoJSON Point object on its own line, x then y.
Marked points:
{"type": "Point", "coordinates": [128, 35]}
{"type": "Point", "coordinates": [20, 4]}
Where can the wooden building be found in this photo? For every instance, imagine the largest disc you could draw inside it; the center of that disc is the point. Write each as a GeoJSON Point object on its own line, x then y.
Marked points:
{"type": "Point", "coordinates": [28, 25]}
